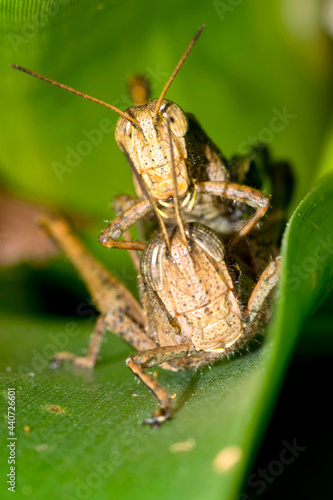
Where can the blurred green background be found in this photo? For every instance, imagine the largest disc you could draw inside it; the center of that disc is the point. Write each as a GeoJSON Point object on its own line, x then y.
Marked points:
{"type": "Point", "coordinates": [260, 71]}
{"type": "Point", "coordinates": [253, 59]}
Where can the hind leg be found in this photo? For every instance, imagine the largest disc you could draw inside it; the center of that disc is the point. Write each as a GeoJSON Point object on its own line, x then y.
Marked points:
{"type": "Point", "coordinates": [120, 311]}
{"type": "Point", "coordinates": [89, 360]}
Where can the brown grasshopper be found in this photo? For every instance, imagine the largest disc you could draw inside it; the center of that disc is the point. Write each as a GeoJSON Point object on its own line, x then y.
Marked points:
{"type": "Point", "coordinates": [204, 176]}
{"type": "Point", "coordinates": [191, 314]}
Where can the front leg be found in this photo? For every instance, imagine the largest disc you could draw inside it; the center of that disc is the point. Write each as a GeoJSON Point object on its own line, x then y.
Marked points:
{"type": "Point", "coordinates": [118, 323]}
{"type": "Point", "coordinates": [120, 311]}
{"type": "Point", "coordinates": [154, 357]}
{"type": "Point", "coordinates": [242, 194]}
{"type": "Point", "coordinates": [120, 204]}
{"type": "Point", "coordinates": [123, 222]}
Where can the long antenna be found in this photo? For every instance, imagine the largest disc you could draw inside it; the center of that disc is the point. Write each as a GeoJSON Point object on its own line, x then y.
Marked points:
{"type": "Point", "coordinates": [77, 92]}
{"type": "Point", "coordinates": [177, 68]}
{"type": "Point", "coordinates": [146, 191]}
{"type": "Point", "coordinates": [175, 196]}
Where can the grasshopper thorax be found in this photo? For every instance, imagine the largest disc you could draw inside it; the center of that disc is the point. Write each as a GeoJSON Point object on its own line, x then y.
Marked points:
{"type": "Point", "coordinates": [156, 252]}
{"type": "Point", "coordinates": [193, 284]}
{"type": "Point", "coordinates": [148, 146]}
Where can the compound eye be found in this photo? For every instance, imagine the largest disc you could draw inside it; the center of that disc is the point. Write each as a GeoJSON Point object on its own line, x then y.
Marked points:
{"type": "Point", "coordinates": [152, 264]}
{"type": "Point", "coordinates": [177, 119]}
{"type": "Point", "coordinates": [206, 238]}
{"type": "Point", "coordinates": [124, 135]}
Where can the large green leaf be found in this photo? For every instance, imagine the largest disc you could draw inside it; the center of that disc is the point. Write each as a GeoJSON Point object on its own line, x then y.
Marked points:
{"type": "Point", "coordinates": [251, 64]}
{"type": "Point", "coordinates": [86, 439]}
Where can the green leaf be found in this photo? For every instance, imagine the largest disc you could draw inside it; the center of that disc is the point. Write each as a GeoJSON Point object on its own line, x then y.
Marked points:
{"type": "Point", "coordinates": [86, 435]}
{"type": "Point", "coordinates": [252, 63]}
{"type": "Point", "coordinates": [326, 163]}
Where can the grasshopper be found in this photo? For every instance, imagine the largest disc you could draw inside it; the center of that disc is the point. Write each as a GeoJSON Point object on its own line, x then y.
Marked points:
{"type": "Point", "coordinates": [191, 314]}
{"type": "Point", "coordinates": [180, 175]}
{"type": "Point", "coordinates": [204, 176]}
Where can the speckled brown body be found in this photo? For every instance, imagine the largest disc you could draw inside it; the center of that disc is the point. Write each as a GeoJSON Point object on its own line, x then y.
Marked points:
{"type": "Point", "coordinates": [196, 289]}
{"type": "Point", "coordinates": [193, 291]}
{"type": "Point", "coordinates": [190, 314]}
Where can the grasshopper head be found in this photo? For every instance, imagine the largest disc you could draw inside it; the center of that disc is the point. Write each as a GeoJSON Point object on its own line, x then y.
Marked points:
{"type": "Point", "coordinates": [148, 146]}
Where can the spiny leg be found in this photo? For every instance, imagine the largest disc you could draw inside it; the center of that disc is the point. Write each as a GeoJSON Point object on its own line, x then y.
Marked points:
{"type": "Point", "coordinates": [235, 192]}
{"type": "Point", "coordinates": [125, 327]}
{"type": "Point", "coordinates": [259, 170]}
{"type": "Point", "coordinates": [267, 281]}
{"type": "Point", "coordinates": [105, 289]}
{"type": "Point", "coordinates": [259, 308]}
{"type": "Point", "coordinates": [90, 359]}
{"type": "Point", "coordinates": [120, 204]}
{"type": "Point", "coordinates": [133, 253]}
{"type": "Point", "coordinates": [242, 194]}
{"type": "Point", "coordinates": [116, 322]}
{"type": "Point", "coordinates": [154, 357]}
{"type": "Point", "coordinates": [123, 222]}
{"type": "Point", "coordinates": [111, 297]}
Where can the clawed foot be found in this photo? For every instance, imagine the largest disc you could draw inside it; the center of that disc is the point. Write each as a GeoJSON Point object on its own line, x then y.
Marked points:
{"type": "Point", "coordinates": [159, 416]}
{"type": "Point", "coordinates": [78, 361]}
